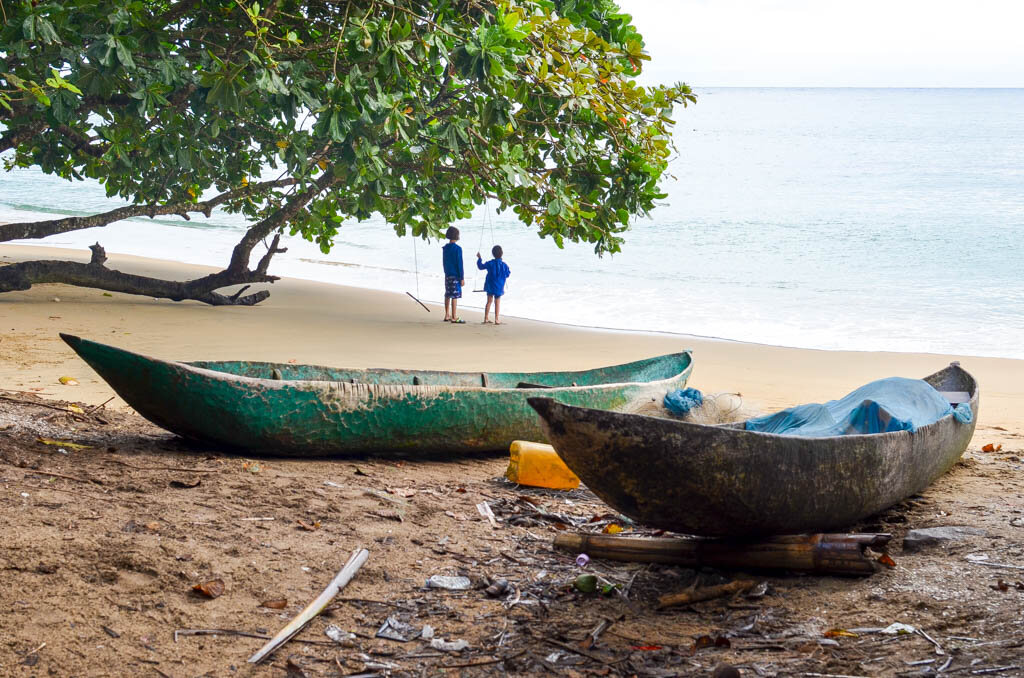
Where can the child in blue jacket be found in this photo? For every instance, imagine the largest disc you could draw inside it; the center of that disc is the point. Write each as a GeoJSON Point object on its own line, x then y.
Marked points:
{"type": "Point", "coordinates": [494, 285]}
{"type": "Point", "coordinates": [454, 278]}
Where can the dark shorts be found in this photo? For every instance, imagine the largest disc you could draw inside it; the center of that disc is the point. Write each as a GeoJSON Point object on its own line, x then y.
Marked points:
{"type": "Point", "coordinates": [452, 288]}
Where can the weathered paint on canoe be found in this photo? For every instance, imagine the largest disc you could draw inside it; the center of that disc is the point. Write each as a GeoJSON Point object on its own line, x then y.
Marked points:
{"type": "Point", "coordinates": [727, 481]}
{"type": "Point", "coordinates": [318, 411]}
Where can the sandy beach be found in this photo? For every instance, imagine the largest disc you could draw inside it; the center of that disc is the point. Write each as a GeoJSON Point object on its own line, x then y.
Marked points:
{"type": "Point", "coordinates": [318, 323]}
{"type": "Point", "coordinates": [112, 522]}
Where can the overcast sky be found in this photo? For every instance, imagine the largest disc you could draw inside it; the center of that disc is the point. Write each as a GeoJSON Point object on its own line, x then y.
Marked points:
{"type": "Point", "coordinates": [832, 43]}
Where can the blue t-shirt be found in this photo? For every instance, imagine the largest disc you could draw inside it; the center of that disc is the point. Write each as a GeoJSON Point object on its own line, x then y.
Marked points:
{"type": "Point", "coordinates": [452, 258]}
{"type": "Point", "coordinates": [497, 273]}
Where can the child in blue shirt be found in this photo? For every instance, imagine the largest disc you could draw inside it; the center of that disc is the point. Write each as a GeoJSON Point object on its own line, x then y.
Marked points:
{"type": "Point", "coordinates": [494, 285]}
{"type": "Point", "coordinates": [454, 277]}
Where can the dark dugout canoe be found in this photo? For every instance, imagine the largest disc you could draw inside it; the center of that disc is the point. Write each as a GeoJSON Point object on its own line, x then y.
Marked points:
{"type": "Point", "coordinates": [727, 481]}
{"type": "Point", "coordinates": [305, 410]}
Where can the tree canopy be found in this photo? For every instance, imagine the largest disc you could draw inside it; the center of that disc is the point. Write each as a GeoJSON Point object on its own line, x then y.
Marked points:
{"type": "Point", "coordinates": [300, 115]}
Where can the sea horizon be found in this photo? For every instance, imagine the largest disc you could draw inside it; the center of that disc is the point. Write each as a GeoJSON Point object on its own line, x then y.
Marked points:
{"type": "Point", "coordinates": [836, 218]}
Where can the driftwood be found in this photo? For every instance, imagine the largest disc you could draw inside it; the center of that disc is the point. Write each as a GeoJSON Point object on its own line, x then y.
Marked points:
{"type": "Point", "coordinates": [705, 593]}
{"type": "Point", "coordinates": [339, 582]}
{"type": "Point", "coordinates": [816, 553]}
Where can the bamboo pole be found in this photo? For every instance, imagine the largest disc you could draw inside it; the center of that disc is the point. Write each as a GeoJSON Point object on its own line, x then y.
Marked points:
{"type": "Point", "coordinates": [816, 553]}
{"type": "Point", "coordinates": [339, 582]}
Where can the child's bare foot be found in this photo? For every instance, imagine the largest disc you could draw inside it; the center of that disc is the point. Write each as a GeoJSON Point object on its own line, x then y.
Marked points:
{"type": "Point", "coordinates": [497, 322]}
{"type": "Point", "coordinates": [486, 321]}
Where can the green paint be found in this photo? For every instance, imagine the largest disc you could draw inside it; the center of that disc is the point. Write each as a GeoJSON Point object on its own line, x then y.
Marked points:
{"type": "Point", "coordinates": [316, 411]}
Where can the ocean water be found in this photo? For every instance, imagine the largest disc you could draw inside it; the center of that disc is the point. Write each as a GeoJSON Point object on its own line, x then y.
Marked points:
{"type": "Point", "coordinates": [867, 219]}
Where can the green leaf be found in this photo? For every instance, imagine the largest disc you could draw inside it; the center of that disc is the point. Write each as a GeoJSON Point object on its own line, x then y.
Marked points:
{"type": "Point", "coordinates": [123, 54]}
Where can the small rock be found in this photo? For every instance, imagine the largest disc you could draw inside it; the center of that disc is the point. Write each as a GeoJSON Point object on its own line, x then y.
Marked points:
{"type": "Point", "coordinates": [499, 587]}
{"type": "Point", "coordinates": [1017, 522]}
{"type": "Point", "coordinates": [930, 536]}
{"type": "Point", "coordinates": [726, 671]}
{"type": "Point", "coordinates": [56, 298]}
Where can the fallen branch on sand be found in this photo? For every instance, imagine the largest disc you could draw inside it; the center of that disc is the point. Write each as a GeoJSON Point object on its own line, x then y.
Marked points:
{"type": "Point", "coordinates": [339, 582]}
{"type": "Point", "coordinates": [705, 593]}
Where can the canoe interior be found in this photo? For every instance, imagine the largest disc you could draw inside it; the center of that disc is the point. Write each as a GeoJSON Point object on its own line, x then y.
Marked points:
{"type": "Point", "coordinates": [649, 369]}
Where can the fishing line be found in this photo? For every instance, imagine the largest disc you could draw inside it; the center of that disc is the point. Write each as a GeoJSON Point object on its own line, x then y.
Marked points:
{"type": "Point", "coordinates": [416, 265]}
{"type": "Point", "coordinates": [486, 224]}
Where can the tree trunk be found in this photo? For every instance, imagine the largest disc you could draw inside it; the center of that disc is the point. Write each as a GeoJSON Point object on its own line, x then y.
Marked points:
{"type": "Point", "coordinates": [22, 275]}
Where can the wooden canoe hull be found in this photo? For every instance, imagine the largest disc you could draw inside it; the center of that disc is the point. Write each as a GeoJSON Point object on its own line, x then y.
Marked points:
{"type": "Point", "coordinates": [727, 481]}
{"type": "Point", "coordinates": [316, 411]}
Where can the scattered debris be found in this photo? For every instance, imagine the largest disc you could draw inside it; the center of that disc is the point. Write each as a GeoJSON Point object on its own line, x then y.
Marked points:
{"type": "Point", "coordinates": [343, 638]}
{"type": "Point", "coordinates": [395, 629]}
{"type": "Point", "coordinates": [897, 628]}
{"type": "Point", "coordinates": [211, 589]}
{"type": "Point", "coordinates": [438, 581]}
{"type": "Point", "coordinates": [449, 646]}
{"type": "Point", "coordinates": [183, 485]}
{"type": "Point", "coordinates": [339, 582]}
{"type": "Point", "coordinates": [915, 540]}
{"type": "Point", "coordinates": [485, 510]}
{"type": "Point", "coordinates": [705, 593]}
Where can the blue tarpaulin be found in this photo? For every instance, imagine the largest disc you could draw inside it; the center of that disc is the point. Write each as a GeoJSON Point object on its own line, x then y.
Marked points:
{"type": "Point", "coordinates": [681, 401]}
{"type": "Point", "coordinates": [893, 404]}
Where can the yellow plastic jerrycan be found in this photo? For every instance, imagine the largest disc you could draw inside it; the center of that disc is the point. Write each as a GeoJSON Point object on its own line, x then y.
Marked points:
{"type": "Point", "coordinates": [538, 465]}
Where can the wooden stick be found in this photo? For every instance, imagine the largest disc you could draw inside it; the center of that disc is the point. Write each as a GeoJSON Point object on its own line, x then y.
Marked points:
{"type": "Point", "coordinates": [164, 468]}
{"type": "Point", "coordinates": [817, 553]}
{"type": "Point", "coordinates": [705, 593]}
{"type": "Point", "coordinates": [420, 303]}
{"type": "Point", "coordinates": [98, 407]}
{"type": "Point", "coordinates": [61, 475]}
{"type": "Point", "coordinates": [339, 582]}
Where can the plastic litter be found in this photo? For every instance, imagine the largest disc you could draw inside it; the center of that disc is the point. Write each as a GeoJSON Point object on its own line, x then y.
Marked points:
{"type": "Point", "coordinates": [897, 628]}
{"type": "Point", "coordinates": [343, 638]}
{"type": "Point", "coordinates": [582, 560]}
{"type": "Point", "coordinates": [449, 645]}
{"type": "Point", "coordinates": [394, 628]}
{"type": "Point", "coordinates": [538, 465]}
{"type": "Point", "coordinates": [438, 581]}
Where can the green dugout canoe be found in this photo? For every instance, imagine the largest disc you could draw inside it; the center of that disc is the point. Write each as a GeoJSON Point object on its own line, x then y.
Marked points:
{"type": "Point", "coordinates": [306, 410]}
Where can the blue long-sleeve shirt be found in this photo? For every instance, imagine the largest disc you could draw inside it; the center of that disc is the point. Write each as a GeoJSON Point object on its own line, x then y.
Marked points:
{"type": "Point", "coordinates": [452, 259]}
{"type": "Point", "coordinates": [497, 273]}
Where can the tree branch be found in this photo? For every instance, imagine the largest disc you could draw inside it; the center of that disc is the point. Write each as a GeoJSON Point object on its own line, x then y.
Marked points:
{"type": "Point", "coordinates": [42, 229]}
{"type": "Point", "coordinates": [14, 137]}
{"type": "Point", "coordinates": [259, 231]}
{"type": "Point", "coordinates": [22, 275]}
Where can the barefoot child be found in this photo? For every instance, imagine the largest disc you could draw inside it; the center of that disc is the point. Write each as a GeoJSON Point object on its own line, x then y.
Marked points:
{"type": "Point", "coordinates": [454, 278]}
{"type": "Point", "coordinates": [494, 283]}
